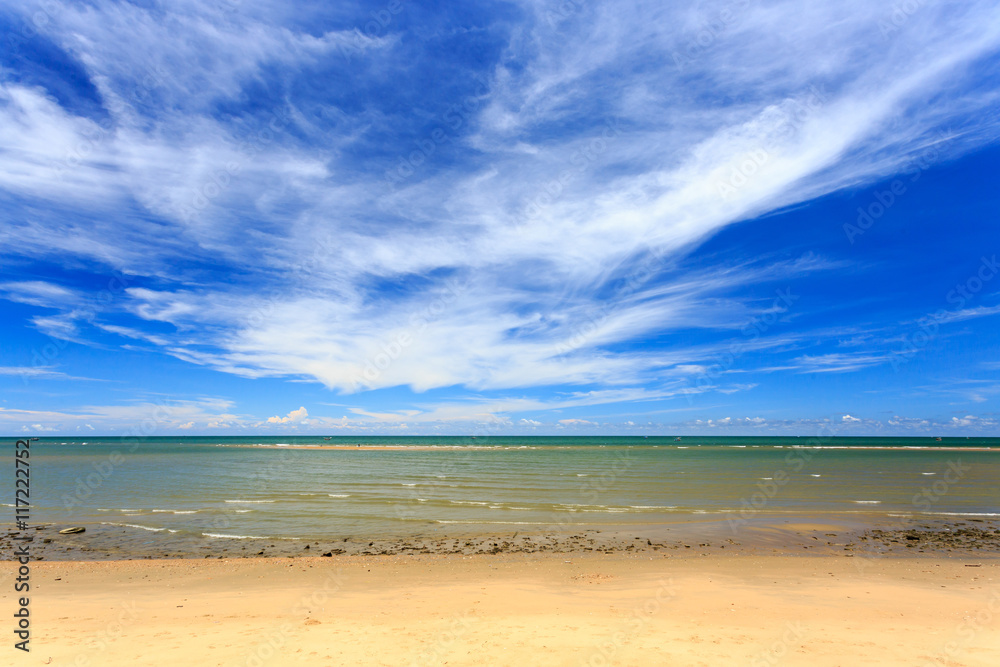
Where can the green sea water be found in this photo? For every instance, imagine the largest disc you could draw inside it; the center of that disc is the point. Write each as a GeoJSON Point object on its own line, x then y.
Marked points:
{"type": "Point", "coordinates": [230, 488]}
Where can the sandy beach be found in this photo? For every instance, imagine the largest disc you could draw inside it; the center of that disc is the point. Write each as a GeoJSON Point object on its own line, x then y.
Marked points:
{"type": "Point", "coordinates": [512, 609]}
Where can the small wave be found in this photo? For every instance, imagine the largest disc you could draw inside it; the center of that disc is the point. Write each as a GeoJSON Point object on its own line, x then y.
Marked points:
{"type": "Point", "coordinates": [814, 475]}
{"type": "Point", "coordinates": [242, 511]}
{"type": "Point", "coordinates": [249, 501]}
{"type": "Point", "coordinates": [469, 502]}
{"type": "Point", "coordinates": [506, 523]}
{"type": "Point", "coordinates": [928, 473]}
{"type": "Point", "coordinates": [410, 484]}
{"type": "Point", "coordinates": [176, 511]}
{"type": "Point", "coordinates": [339, 495]}
{"type": "Point", "coordinates": [236, 537]}
{"type": "Point", "coordinates": [962, 513]}
{"type": "Point", "coordinates": [867, 502]}
{"type": "Point", "coordinates": [132, 525]}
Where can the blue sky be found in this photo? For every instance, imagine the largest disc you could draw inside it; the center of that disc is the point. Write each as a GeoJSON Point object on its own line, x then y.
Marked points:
{"type": "Point", "coordinates": [740, 217]}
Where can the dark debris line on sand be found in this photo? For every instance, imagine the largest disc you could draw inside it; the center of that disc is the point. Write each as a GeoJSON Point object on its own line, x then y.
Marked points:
{"type": "Point", "coordinates": [950, 539]}
{"type": "Point", "coordinates": [958, 537]}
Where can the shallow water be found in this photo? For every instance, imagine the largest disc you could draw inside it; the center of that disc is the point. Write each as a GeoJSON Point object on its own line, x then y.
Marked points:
{"type": "Point", "coordinates": [231, 488]}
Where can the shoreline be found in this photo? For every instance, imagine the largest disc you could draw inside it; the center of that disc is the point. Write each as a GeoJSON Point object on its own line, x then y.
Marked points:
{"type": "Point", "coordinates": [839, 536]}
{"type": "Point", "coordinates": [515, 609]}
{"type": "Point", "coordinates": [484, 446]}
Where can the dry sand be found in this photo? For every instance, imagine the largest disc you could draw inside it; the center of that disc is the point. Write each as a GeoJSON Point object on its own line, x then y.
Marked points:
{"type": "Point", "coordinates": [514, 609]}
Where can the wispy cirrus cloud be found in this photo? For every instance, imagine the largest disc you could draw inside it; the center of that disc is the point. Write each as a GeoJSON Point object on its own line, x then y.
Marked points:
{"type": "Point", "coordinates": [41, 373]}
{"type": "Point", "coordinates": [234, 162]}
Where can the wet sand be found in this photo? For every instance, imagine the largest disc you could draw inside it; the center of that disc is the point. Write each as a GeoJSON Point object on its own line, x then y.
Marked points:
{"type": "Point", "coordinates": [830, 536]}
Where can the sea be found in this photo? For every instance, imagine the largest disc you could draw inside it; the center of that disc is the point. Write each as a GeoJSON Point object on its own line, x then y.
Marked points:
{"type": "Point", "coordinates": [231, 488]}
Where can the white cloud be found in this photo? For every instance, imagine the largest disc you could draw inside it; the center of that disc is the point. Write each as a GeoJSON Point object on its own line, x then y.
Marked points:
{"type": "Point", "coordinates": [294, 417]}
{"type": "Point", "coordinates": [141, 418]}
{"type": "Point", "coordinates": [966, 314]}
{"type": "Point", "coordinates": [837, 362]}
{"type": "Point", "coordinates": [814, 96]}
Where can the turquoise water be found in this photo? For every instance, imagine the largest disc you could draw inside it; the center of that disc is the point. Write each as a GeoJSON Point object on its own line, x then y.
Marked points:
{"type": "Point", "coordinates": [225, 488]}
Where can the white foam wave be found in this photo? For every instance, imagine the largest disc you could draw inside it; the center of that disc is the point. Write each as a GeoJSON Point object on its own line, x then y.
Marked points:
{"type": "Point", "coordinates": [506, 523]}
{"type": "Point", "coordinates": [132, 525]}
